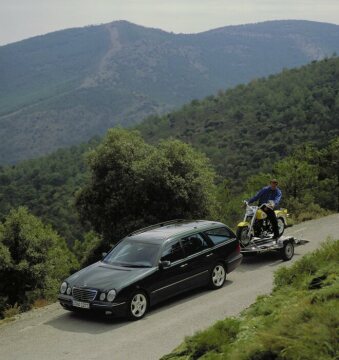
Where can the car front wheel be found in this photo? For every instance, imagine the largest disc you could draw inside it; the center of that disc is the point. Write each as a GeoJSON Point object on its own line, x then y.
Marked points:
{"type": "Point", "coordinates": [137, 306]}
{"type": "Point", "coordinates": [217, 276]}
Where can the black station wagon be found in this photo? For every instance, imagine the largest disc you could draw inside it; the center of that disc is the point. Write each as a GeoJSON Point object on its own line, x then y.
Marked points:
{"type": "Point", "coordinates": [154, 264]}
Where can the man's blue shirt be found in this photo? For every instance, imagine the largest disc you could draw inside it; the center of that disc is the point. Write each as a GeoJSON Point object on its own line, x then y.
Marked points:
{"type": "Point", "coordinates": [266, 194]}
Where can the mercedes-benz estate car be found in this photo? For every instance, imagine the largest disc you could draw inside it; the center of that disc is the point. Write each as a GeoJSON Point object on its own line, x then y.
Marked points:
{"type": "Point", "coordinates": [154, 264]}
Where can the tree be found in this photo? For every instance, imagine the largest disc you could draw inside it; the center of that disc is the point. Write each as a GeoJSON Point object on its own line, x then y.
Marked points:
{"type": "Point", "coordinates": [134, 184]}
{"type": "Point", "coordinates": [296, 177]}
{"type": "Point", "coordinates": [33, 259]}
{"type": "Point", "coordinates": [83, 250]}
{"type": "Point", "coordinates": [328, 160]}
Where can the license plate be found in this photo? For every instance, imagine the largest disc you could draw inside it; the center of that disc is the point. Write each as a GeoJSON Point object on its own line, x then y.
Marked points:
{"type": "Point", "coordinates": [81, 304]}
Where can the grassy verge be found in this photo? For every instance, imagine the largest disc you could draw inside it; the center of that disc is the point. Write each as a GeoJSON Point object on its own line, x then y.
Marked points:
{"type": "Point", "coordinates": [298, 321]}
{"type": "Point", "coordinates": [11, 312]}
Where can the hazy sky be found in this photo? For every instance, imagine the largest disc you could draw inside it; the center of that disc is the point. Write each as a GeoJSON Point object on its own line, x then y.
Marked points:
{"type": "Point", "coordinates": [21, 19]}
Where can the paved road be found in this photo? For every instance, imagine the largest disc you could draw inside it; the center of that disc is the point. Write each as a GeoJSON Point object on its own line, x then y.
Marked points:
{"type": "Point", "coordinates": [52, 333]}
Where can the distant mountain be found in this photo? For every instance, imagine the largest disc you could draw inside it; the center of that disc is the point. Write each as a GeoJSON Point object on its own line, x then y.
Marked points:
{"type": "Point", "coordinates": [65, 87]}
{"type": "Point", "coordinates": [244, 131]}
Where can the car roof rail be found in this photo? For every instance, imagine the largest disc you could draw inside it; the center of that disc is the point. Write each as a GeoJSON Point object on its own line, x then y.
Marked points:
{"type": "Point", "coordinates": [155, 226]}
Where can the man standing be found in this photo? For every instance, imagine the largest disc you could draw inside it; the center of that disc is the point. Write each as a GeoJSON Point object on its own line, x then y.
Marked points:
{"type": "Point", "coordinates": [270, 195]}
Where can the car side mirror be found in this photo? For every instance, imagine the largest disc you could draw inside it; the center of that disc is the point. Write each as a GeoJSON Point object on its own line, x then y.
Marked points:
{"type": "Point", "coordinates": [164, 264]}
{"type": "Point", "coordinates": [104, 254]}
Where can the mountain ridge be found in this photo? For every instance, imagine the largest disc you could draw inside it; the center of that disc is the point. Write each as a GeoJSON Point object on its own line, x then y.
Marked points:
{"type": "Point", "coordinates": [217, 29]}
{"type": "Point", "coordinates": [65, 87]}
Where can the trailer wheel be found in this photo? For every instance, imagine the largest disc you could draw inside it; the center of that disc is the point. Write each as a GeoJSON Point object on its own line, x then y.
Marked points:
{"type": "Point", "coordinates": [287, 251]}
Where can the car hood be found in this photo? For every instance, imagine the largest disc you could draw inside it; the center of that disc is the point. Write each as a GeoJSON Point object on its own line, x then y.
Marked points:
{"type": "Point", "coordinates": [106, 277]}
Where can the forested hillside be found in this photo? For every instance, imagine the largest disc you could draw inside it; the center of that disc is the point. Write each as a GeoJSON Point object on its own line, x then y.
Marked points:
{"type": "Point", "coordinates": [47, 186]}
{"type": "Point", "coordinates": [65, 87]}
{"type": "Point", "coordinates": [252, 126]}
{"type": "Point", "coordinates": [244, 131]}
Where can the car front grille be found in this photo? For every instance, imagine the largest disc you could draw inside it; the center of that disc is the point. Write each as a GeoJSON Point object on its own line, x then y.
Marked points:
{"type": "Point", "coordinates": [84, 294]}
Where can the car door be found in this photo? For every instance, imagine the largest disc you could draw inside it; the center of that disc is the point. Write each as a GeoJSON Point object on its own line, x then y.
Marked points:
{"type": "Point", "coordinates": [198, 258]}
{"type": "Point", "coordinates": [170, 281]}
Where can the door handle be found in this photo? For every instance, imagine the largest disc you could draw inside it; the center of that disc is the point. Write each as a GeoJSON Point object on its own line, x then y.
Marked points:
{"type": "Point", "coordinates": [208, 255]}
{"type": "Point", "coordinates": [183, 265]}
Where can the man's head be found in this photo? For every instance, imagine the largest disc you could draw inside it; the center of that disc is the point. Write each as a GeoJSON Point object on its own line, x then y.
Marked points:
{"type": "Point", "coordinates": [274, 184]}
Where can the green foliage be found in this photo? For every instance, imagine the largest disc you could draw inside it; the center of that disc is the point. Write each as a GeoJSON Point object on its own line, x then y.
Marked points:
{"type": "Point", "coordinates": [46, 187]}
{"type": "Point", "coordinates": [134, 184]}
{"type": "Point", "coordinates": [83, 250]}
{"type": "Point", "coordinates": [252, 127]}
{"type": "Point", "coordinates": [33, 258]}
{"type": "Point", "coordinates": [310, 179]}
{"type": "Point", "coordinates": [327, 159]}
{"type": "Point", "coordinates": [298, 321]}
{"type": "Point", "coordinates": [296, 177]}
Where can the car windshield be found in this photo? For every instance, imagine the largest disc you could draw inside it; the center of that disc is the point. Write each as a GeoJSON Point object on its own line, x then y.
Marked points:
{"type": "Point", "coordinates": [133, 254]}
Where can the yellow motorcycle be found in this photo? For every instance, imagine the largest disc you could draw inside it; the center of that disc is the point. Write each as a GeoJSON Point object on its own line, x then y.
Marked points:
{"type": "Point", "coordinates": [256, 225]}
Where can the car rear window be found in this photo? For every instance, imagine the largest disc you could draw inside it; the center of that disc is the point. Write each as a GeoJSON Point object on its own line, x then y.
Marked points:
{"type": "Point", "coordinates": [219, 235]}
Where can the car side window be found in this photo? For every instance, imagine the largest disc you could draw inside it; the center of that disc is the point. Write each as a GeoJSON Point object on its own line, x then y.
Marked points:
{"type": "Point", "coordinates": [172, 252]}
{"type": "Point", "coordinates": [193, 244]}
{"type": "Point", "coordinates": [219, 235]}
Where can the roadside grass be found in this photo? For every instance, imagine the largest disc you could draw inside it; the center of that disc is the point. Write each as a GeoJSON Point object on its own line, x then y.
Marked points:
{"type": "Point", "coordinates": [41, 302]}
{"type": "Point", "coordinates": [299, 320]}
{"type": "Point", "coordinates": [10, 313]}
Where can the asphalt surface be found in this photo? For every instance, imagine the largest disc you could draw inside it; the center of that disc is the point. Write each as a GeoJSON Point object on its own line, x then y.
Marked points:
{"type": "Point", "coordinates": [52, 333]}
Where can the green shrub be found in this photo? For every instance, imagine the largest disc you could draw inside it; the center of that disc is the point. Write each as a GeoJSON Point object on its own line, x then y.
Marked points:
{"type": "Point", "coordinates": [33, 260]}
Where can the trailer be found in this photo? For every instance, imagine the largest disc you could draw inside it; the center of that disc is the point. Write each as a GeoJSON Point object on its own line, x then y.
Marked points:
{"type": "Point", "coordinates": [285, 246]}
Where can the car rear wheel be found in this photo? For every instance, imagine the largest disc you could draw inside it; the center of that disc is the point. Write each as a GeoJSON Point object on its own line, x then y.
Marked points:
{"type": "Point", "coordinates": [218, 276]}
{"type": "Point", "coordinates": [137, 306]}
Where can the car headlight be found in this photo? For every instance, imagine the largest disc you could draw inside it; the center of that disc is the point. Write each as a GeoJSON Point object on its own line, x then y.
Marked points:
{"type": "Point", "coordinates": [102, 296]}
{"type": "Point", "coordinates": [69, 290]}
{"type": "Point", "coordinates": [63, 287]}
{"type": "Point", "coordinates": [111, 295]}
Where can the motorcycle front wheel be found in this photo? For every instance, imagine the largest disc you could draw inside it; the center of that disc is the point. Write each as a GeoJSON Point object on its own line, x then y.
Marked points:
{"type": "Point", "coordinates": [243, 235]}
{"type": "Point", "coordinates": [281, 225]}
